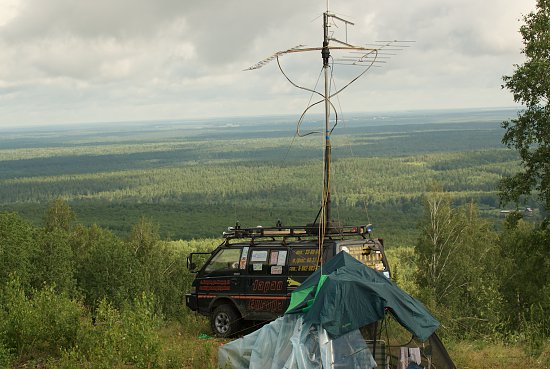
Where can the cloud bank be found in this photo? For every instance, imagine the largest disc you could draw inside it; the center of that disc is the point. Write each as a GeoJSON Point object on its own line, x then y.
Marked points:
{"type": "Point", "coordinates": [73, 61]}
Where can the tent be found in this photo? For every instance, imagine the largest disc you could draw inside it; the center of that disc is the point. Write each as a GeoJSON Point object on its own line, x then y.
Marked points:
{"type": "Point", "coordinates": [321, 327]}
{"type": "Point", "coordinates": [344, 294]}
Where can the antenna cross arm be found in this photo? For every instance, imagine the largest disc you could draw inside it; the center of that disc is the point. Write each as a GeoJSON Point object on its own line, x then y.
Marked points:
{"type": "Point", "coordinates": [301, 48]}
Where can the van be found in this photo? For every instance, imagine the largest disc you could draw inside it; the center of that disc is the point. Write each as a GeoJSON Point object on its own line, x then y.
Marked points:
{"type": "Point", "coordinates": [250, 276]}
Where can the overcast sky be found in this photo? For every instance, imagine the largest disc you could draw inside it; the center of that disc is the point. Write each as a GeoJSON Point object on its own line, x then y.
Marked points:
{"type": "Point", "coordinates": [71, 61]}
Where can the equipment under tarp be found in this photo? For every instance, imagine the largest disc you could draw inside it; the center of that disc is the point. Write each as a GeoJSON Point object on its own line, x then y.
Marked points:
{"type": "Point", "coordinates": [345, 295]}
{"type": "Point", "coordinates": [321, 328]}
{"type": "Point", "coordinates": [289, 343]}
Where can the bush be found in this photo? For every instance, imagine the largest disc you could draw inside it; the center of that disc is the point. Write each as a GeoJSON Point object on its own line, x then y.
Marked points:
{"type": "Point", "coordinates": [53, 261]}
{"type": "Point", "coordinates": [140, 323]}
{"type": "Point", "coordinates": [45, 323]}
{"type": "Point", "coordinates": [107, 268]}
{"type": "Point", "coordinates": [534, 328]}
{"type": "Point", "coordinates": [118, 338]}
{"type": "Point", "coordinates": [6, 356]}
{"type": "Point", "coordinates": [17, 245]}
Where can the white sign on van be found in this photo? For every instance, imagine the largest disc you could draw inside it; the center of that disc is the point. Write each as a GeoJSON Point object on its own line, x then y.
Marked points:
{"type": "Point", "coordinates": [274, 257]}
{"type": "Point", "coordinates": [259, 256]}
{"type": "Point", "coordinates": [276, 269]}
{"type": "Point", "coordinates": [244, 256]}
{"type": "Point", "coordinates": [281, 260]}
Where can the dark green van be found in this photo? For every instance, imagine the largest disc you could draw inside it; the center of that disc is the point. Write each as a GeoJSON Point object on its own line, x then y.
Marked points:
{"type": "Point", "coordinates": [250, 276]}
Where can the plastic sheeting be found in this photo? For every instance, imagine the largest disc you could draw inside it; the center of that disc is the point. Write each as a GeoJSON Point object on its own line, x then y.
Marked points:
{"type": "Point", "coordinates": [289, 343]}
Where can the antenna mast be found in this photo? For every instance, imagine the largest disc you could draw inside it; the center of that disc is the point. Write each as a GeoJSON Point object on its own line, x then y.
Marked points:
{"type": "Point", "coordinates": [325, 54]}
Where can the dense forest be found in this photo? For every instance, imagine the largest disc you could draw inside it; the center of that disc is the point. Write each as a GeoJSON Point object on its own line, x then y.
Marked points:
{"type": "Point", "coordinates": [96, 222]}
{"type": "Point", "coordinates": [197, 178]}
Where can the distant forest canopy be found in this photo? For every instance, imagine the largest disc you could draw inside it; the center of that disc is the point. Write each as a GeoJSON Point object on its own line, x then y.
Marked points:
{"type": "Point", "coordinates": [196, 178]}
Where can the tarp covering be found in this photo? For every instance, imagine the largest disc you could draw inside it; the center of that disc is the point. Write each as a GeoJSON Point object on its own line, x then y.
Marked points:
{"type": "Point", "coordinates": [345, 295]}
{"type": "Point", "coordinates": [289, 343]}
{"type": "Point", "coordinates": [321, 326]}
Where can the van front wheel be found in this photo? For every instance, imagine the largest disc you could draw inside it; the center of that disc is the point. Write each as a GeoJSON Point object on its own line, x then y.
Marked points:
{"type": "Point", "coordinates": [224, 321]}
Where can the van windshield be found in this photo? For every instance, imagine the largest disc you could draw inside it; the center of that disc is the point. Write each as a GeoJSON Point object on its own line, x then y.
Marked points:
{"type": "Point", "coordinates": [227, 259]}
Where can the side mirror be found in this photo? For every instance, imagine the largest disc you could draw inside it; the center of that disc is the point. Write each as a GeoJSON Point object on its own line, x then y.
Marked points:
{"type": "Point", "coordinates": [190, 265]}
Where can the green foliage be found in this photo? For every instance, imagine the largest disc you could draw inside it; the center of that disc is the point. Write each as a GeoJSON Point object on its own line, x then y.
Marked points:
{"type": "Point", "coordinates": [119, 338]}
{"type": "Point", "coordinates": [107, 268]}
{"type": "Point", "coordinates": [438, 248]}
{"type": "Point", "coordinates": [54, 261]}
{"type": "Point", "coordinates": [140, 325]}
{"type": "Point", "coordinates": [529, 133]}
{"type": "Point", "coordinates": [17, 247]}
{"type": "Point", "coordinates": [59, 216]}
{"type": "Point", "coordinates": [116, 270]}
{"type": "Point", "coordinates": [144, 239]}
{"type": "Point", "coordinates": [6, 354]}
{"type": "Point", "coordinates": [194, 182]}
{"type": "Point", "coordinates": [190, 201]}
{"type": "Point", "coordinates": [523, 266]}
{"type": "Point", "coordinates": [483, 354]}
{"type": "Point", "coordinates": [44, 323]}
{"type": "Point", "coordinates": [162, 267]}
{"type": "Point", "coordinates": [455, 266]}
{"type": "Point", "coordinates": [535, 327]}
{"type": "Point", "coordinates": [403, 264]}
{"type": "Point", "coordinates": [131, 190]}
{"type": "Point", "coordinates": [6, 357]}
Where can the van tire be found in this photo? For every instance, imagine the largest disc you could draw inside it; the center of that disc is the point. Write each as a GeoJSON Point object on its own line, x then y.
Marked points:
{"type": "Point", "coordinates": [225, 321]}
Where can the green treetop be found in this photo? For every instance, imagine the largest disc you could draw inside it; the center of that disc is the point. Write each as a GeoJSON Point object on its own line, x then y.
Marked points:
{"type": "Point", "coordinates": [529, 133]}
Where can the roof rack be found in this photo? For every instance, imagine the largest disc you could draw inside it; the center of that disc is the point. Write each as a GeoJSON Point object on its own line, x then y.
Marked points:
{"type": "Point", "coordinates": [280, 231]}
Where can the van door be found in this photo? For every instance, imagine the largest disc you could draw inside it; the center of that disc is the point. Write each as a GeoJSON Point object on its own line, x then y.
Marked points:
{"type": "Point", "coordinates": [265, 294]}
{"type": "Point", "coordinates": [220, 278]}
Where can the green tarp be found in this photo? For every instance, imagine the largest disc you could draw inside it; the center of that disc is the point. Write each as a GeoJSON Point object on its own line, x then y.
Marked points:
{"type": "Point", "coordinates": [345, 295]}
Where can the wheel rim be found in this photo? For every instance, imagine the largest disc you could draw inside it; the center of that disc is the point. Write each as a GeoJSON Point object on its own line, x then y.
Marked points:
{"type": "Point", "coordinates": [222, 322]}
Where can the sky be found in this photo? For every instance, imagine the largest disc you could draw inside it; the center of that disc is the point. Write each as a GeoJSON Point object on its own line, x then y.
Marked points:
{"type": "Point", "coordinates": [78, 61]}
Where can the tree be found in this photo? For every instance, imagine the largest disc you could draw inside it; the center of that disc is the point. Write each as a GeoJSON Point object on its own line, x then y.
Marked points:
{"type": "Point", "coordinates": [107, 268]}
{"type": "Point", "coordinates": [144, 237]}
{"type": "Point", "coordinates": [54, 261]}
{"type": "Point", "coordinates": [59, 216]}
{"type": "Point", "coordinates": [455, 275]}
{"type": "Point", "coordinates": [524, 260]}
{"type": "Point", "coordinates": [17, 247]}
{"type": "Point", "coordinates": [437, 247]}
{"type": "Point", "coordinates": [525, 251]}
{"type": "Point", "coordinates": [529, 133]}
{"type": "Point", "coordinates": [162, 267]}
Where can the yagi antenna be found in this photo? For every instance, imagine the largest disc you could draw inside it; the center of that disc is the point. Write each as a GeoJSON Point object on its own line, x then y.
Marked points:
{"type": "Point", "coordinates": [366, 56]}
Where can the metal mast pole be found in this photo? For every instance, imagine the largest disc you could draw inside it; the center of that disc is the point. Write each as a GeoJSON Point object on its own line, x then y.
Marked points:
{"type": "Point", "coordinates": [325, 53]}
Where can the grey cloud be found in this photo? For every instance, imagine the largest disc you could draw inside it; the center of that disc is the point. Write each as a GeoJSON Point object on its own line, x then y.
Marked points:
{"type": "Point", "coordinates": [172, 58]}
{"type": "Point", "coordinates": [90, 19]}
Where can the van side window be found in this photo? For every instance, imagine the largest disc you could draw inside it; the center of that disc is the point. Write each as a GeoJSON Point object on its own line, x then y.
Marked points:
{"type": "Point", "coordinates": [227, 259]}
{"type": "Point", "coordinates": [270, 262]}
{"type": "Point", "coordinates": [258, 261]}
